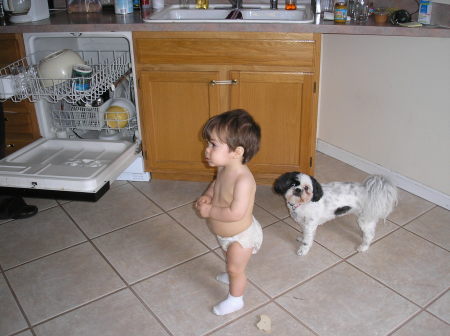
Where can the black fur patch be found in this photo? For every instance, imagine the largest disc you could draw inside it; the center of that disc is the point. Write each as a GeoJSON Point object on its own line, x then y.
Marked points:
{"type": "Point", "coordinates": [285, 181]}
{"type": "Point", "coordinates": [317, 190]}
{"type": "Point", "coordinates": [342, 210]}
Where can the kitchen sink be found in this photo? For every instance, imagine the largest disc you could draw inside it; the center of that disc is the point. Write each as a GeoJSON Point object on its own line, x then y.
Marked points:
{"type": "Point", "coordinates": [260, 13]}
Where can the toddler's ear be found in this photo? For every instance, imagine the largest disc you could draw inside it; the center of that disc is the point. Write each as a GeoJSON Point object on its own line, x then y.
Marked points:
{"type": "Point", "coordinates": [239, 151]}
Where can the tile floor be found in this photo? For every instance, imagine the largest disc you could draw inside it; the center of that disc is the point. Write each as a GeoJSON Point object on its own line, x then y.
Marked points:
{"type": "Point", "coordinates": [140, 262]}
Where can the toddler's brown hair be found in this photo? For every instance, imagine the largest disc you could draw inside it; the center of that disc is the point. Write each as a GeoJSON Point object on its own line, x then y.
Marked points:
{"type": "Point", "coordinates": [235, 128]}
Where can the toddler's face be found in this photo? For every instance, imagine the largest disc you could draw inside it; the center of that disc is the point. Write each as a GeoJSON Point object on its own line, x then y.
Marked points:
{"type": "Point", "coordinates": [217, 153]}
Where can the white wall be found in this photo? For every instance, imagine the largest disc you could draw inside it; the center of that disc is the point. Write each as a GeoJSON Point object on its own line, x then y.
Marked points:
{"type": "Point", "coordinates": [387, 101]}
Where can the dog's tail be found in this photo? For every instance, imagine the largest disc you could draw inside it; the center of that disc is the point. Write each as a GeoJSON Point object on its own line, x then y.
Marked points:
{"type": "Point", "coordinates": [381, 197]}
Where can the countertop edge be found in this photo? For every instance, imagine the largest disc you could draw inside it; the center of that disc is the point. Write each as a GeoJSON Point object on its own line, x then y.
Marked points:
{"type": "Point", "coordinates": [99, 22]}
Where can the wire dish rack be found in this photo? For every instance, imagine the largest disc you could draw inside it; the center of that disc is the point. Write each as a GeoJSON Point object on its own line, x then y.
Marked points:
{"type": "Point", "coordinates": [20, 80]}
{"type": "Point", "coordinates": [67, 116]}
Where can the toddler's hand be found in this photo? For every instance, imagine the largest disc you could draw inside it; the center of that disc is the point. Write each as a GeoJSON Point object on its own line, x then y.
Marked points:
{"type": "Point", "coordinates": [203, 200]}
{"type": "Point", "coordinates": [204, 209]}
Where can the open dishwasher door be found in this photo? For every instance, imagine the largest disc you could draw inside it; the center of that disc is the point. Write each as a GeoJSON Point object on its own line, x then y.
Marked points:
{"type": "Point", "coordinates": [87, 141]}
{"type": "Point", "coordinates": [65, 169]}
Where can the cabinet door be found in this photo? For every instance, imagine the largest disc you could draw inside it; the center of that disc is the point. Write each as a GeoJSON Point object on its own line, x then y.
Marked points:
{"type": "Point", "coordinates": [281, 102]}
{"type": "Point", "coordinates": [182, 101]}
{"type": "Point", "coordinates": [21, 127]}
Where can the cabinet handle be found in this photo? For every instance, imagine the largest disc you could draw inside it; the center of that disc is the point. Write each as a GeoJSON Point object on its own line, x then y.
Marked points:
{"type": "Point", "coordinates": [224, 82]}
{"type": "Point", "coordinates": [10, 146]}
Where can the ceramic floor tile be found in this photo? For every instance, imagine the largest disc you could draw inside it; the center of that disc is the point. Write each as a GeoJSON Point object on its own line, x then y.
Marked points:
{"type": "Point", "coordinates": [345, 301]}
{"type": "Point", "coordinates": [409, 207]}
{"type": "Point", "coordinates": [41, 203]}
{"type": "Point", "coordinates": [263, 217]}
{"type": "Point", "coordinates": [277, 267]}
{"type": "Point", "coordinates": [119, 207]}
{"type": "Point", "coordinates": [441, 307]}
{"type": "Point", "coordinates": [424, 325]}
{"type": "Point", "coordinates": [118, 314]}
{"type": "Point", "coordinates": [329, 169]}
{"type": "Point", "coordinates": [434, 226]}
{"type": "Point", "coordinates": [171, 194]}
{"type": "Point", "coordinates": [282, 324]}
{"type": "Point", "coordinates": [271, 202]}
{"type": "Point", "coordinates": [62, 281]}
{"type": "Point", "coordinates": [25, 333]}
{"type": "Point", "coordinates": [408, 264]}
{"type": "Point", "coordinates": [46, 232]}
{"type": "Point", "coordinates": [148, 247]}
{"type": "Point", "coordinates": [187, 217]}
{"type": "Point", "coordinates": [182, 297]}
{"type": "Point", "coordinates": [11, 318]}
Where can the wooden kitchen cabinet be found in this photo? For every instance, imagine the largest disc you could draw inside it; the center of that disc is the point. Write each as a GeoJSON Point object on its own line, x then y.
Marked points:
{"type": "Point", "coordinates": [185, 78]}
{"type": "Point", "coordinates": [21, 127]}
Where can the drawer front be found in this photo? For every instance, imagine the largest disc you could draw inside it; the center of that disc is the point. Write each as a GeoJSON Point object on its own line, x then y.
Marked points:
{"type": "Point", "coordinates": [229, 49]}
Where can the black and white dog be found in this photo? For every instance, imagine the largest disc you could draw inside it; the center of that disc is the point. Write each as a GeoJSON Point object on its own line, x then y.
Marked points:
{"type": "Point", "coordinates": [311, 204]}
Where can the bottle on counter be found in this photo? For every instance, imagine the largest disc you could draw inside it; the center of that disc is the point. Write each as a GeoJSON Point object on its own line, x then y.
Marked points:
{"type": "Point", "coordinates": [202, 4]}
{"type": "Point", "coordinates": [146, 9]}
{"type": "Point", "coordinates": [340, 11]}
{"type": "Point", "coordinates": [290, 5]}
{"type": "Point", "coordinates": [158, 4]}
{"type": "Point", "coordinates": [123, 6]}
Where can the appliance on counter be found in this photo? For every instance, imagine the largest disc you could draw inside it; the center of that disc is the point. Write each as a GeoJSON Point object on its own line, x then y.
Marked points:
{"type": "Point", "coordinates": [81, 151]}
{"type": "Point", "coordinates": [38, 10]}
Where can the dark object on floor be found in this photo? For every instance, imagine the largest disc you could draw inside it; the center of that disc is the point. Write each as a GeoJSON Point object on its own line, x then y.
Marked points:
{"type": "Point", "coordinates": [400, 16]}
{"type": "Point", "coordinates": [12, 207]}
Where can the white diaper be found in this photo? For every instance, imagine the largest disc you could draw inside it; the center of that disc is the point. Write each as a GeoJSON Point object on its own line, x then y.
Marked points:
{"type": "Point", "coordinates": [252, 237]}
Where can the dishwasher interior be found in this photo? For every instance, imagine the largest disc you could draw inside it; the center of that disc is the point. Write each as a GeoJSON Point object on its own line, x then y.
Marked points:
{"type": "Point", "coordinates": [85, 128]}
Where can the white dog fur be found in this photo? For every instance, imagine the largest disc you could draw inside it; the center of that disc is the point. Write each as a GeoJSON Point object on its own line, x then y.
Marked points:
{"type": "Point", "coordinates": [312, 204]}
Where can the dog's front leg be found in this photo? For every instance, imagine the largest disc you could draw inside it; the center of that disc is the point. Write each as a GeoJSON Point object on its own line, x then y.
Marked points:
{"type": "Point", "coordinates": [309, 231]}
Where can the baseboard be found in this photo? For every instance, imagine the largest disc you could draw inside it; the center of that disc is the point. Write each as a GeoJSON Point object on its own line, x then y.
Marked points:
{"type": "Point", "coordinates": [401, 181]}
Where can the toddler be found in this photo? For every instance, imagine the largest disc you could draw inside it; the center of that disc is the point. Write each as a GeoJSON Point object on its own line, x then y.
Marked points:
{"type": "Point", "coordinates": [233, 139]}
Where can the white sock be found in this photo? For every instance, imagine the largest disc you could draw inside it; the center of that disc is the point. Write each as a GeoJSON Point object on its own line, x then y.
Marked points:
{"type": "Point", "coordinates": [223, 278]}
{"type": "Point", "coordinates": [229, 305]}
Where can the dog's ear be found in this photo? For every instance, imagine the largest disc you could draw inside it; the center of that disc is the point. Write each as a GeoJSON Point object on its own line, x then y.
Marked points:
{"type": "Point", "coordinates": [284, 182]}
{"type": "Point", "coordinates": [317, 190]}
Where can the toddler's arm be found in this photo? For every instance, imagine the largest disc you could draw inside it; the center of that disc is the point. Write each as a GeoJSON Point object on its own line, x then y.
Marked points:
{"type": "Point", "coordinates": [238, 207]}
{"type": "Point", "coordinates": [203, 203]}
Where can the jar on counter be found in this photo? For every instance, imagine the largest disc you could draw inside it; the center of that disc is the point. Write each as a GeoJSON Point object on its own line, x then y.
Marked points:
{"type": "Point", "coordinates": [340, 12]}
{"type": "Point", "coordinates": [83, 6]}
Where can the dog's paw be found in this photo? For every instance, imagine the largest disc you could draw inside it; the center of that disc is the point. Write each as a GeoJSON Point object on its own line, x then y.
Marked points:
{"type": "Point", "coordinates": [363, 248]}
{"type": "Point", "coordinates": [303, 250]}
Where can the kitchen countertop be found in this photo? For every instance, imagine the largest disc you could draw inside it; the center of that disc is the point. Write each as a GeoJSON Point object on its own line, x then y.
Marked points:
{"type": "Point", "coordinates": [61, 21]}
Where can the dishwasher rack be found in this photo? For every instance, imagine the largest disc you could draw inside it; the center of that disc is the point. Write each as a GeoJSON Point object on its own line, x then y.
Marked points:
{"type": "Point", "coordinates": [67, 116]}
{"type": "Point", "coordinates": [20, 80]}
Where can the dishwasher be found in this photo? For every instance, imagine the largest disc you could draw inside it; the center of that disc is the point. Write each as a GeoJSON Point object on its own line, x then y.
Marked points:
{"type": "Point", "coordinates": [81, 152]}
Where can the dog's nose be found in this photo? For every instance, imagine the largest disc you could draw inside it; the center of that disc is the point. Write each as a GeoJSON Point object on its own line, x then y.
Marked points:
{"type": "Point", "coordinates": [297, 192]}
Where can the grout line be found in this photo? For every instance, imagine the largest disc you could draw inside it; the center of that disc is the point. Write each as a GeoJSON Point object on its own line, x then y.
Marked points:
{"type": "Point", "coordinates": [209, 250]}
{"type": "Point", "coordinates": [127, 285]}
{"type": "Point", "coordinates": [422, 310]}
{"type": "Point", "coordinates": [16, 299]}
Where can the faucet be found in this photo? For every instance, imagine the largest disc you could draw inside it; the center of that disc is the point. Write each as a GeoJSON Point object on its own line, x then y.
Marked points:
{"type": "Point", "coordinates": [236, 4]}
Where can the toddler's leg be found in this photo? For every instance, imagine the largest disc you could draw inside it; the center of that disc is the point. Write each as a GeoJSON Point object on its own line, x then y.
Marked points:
{"type": "Point", "coordinates": [237, 259]}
